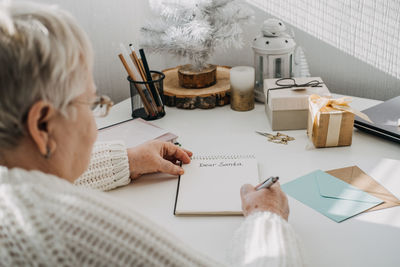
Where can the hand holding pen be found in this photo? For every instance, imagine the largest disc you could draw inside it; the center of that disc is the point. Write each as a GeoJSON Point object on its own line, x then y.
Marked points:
{"type": "Point", "coordinates": [264, 198]}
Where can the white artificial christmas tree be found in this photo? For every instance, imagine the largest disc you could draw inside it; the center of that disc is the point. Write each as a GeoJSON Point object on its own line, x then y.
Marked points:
{"type": "Point", "coordinates": [193, 32]}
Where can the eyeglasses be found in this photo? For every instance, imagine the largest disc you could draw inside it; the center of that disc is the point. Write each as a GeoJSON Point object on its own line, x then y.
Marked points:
{"type": "Point", "coordinates": [100, 106]}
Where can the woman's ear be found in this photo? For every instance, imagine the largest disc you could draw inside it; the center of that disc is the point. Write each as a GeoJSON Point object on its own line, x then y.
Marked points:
{"type": "Point", "coordinates": [39, 116]}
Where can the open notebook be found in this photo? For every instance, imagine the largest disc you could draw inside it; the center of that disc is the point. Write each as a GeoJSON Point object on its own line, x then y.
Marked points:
{"type": "Point", "coordinates": [211, 184]}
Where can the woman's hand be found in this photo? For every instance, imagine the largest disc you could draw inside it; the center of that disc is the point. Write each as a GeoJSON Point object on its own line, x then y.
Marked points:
{"type": "Point", "coordinates": [267, 199]}
{"type": "Point", "coordinates": [157, 156]}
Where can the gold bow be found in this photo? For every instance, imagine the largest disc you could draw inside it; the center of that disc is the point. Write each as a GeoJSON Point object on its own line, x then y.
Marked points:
{"type": "Point", "coordinates": [318, 103]}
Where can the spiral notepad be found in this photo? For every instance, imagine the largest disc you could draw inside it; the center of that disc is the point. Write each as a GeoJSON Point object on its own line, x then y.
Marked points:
{"type": "Point", "coordinates": [211, 184]}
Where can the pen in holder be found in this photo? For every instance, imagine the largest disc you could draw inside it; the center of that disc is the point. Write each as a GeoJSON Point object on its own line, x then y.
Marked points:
{"type": "Point", "coordinates": [147, 97]}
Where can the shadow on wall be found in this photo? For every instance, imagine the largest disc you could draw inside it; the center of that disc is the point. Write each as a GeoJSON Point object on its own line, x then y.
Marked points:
{"type": "Point", "coordinates": [343, 73]}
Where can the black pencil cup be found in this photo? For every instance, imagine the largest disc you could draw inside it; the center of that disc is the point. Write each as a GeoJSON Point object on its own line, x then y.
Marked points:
{"type": "Point", "coordinates": [147, 98]}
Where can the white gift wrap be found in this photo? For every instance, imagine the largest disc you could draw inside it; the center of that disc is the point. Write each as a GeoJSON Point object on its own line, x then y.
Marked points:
{"type": "Point", "coordinates": [295, 98]}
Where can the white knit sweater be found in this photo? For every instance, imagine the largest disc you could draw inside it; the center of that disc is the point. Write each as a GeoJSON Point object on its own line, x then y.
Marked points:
{"type": "Point", "coordinates": [46, 221]}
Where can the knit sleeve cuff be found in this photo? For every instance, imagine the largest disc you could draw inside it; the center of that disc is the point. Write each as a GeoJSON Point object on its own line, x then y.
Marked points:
{"type": "Point", "coordinates": [108, 168]}
{"type": "Point", "coordinates": [265, 239]}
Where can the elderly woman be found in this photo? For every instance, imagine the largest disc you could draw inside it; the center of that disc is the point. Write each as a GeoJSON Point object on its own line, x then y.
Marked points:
{"type": "Point", "coordinates": [48, 213]}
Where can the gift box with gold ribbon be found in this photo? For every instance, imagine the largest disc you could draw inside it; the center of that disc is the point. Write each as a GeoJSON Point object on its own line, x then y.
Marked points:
{"type": "Point", "coordinates": [331, 121]}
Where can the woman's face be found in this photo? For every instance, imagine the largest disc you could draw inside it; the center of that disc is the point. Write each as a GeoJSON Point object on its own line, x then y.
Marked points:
{"type": "Point", "coordinates": [75, 135]}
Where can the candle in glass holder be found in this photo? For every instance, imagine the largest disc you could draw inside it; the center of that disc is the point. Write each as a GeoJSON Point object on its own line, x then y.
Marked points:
{"type": "Point", "coordinates": [242, 88]}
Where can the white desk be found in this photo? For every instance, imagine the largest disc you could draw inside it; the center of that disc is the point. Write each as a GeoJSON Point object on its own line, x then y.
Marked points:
{"type": "Point", "coordinates": [371, 239]}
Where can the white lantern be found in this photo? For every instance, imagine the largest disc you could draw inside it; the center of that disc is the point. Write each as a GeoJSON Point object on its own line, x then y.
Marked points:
{"type": "Point", "coordinates": [273, 54]}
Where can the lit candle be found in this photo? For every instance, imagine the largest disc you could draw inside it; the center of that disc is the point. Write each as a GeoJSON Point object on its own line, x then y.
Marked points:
{"type": "Point", "coordinates": [242, 88]}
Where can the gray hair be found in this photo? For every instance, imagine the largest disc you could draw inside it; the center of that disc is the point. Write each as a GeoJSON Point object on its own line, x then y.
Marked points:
{"type": "Point", "coordinates": [44, 55]}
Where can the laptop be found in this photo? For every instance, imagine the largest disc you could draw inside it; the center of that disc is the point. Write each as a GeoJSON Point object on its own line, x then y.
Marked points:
{"type": "Point", "coordinates": [386, 120]}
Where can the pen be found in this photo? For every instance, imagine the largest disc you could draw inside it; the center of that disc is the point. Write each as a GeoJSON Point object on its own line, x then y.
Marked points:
{"type": "Point", "coordinates": [149, 79]}
{"type": "Point", "coordinates": [267, 183]}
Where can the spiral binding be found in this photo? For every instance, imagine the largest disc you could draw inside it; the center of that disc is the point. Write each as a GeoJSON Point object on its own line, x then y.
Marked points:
{"type": "Point", "coordinates": [217, 157]}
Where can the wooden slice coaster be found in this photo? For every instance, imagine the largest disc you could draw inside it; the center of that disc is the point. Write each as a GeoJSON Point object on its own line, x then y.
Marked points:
{"type": "Point", "coordinates": [205, 98]}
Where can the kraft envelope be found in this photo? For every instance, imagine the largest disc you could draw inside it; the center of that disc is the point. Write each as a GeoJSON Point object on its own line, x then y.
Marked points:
{"type": "Point", "coordinates": [330, 196]}
{"type": "Point", "coordinates": [355, 176]}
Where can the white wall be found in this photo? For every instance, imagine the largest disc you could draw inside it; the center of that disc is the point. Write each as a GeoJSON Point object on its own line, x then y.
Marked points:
{"type": "Point", "coordinates": [109, 23]}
